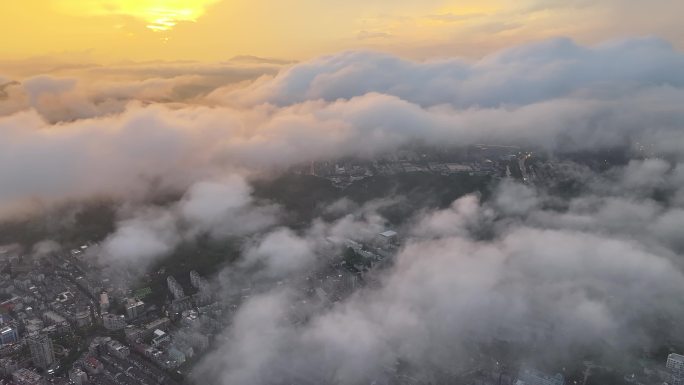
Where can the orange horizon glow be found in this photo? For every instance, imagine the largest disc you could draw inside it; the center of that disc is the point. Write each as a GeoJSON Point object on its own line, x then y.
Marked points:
{"type": "Point", "coordinates": [215, 30]}
{"type": "Point", "coordinates": [159, 15]}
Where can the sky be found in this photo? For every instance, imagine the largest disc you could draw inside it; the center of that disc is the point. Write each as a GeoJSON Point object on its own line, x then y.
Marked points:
{"type": "Point", "coordinates": [105, 31]}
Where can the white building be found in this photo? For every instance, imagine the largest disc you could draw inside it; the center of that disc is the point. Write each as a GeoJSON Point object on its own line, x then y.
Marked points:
{"type": "Point", "coordinates": [675, 363]}
{"type": "Point", "coordinates": [160, 338]}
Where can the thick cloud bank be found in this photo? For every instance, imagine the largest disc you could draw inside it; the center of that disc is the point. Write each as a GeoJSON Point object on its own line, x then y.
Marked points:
{"type": "Point", "coordinates": [555, 94]}
{"type": "Point", "coordinates": [518, 76]}
{"type": "Point", "coordinates": [551, 287]}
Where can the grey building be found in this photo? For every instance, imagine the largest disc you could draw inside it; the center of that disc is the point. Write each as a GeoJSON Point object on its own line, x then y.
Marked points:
{"type": "Point", "coordinates": [42, 351]}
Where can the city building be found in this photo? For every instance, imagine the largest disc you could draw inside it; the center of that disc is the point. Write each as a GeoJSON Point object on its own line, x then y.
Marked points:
{"type": "Point", "coordinates": [27, 377]}
{"type": "Point", "coordinates": [93, 365]}
{"type": "Point", "coordinates": [675, 361]}
{"type": "Point", "coordinates": [104, 301]}
{"type": "Point", "coordinates": [52, 318]}
{"type": "Point", "coordinates": [8, 335]}
{"type": "Point", "coordinates": [176, 355]}
{"type": "Point", "coordinates": [195, 279]}
{"type": "Point", "coordinates": [78, 376]}
{"type": "Point", "coordinates": [175, 288]}
{"type": "Point", "coordinates": [190, 318]}
{"type": "Point", "coordinates": [134, 308]}
{"type": "Point", "coordinates": [675, 364]}
{"type": "Point", "coordinates": [182, 304]}
{"type": "Point", "coordinates": [133, 333]}
{"type": "Point", "coordinates": [82, 318]}
{"type": "Point", "coordinates": [387, 238]}
{"type": "Point", "coordinates": [8, 366]}
{"type": "Point", "coordinates": [535, 377]}
{"type": "Point", "coordinates": [116, 349]}
{"type": "Point", "coordinates": [42, 351]}
{"type": "Point", "coordinates": [113, 321]}
{"type": "Point", "coordinates": [160, 338]}
{"type": "Point", "coordinates": [159, 323]}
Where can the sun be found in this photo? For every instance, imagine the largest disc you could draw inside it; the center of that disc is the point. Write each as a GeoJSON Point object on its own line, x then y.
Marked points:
{"type": "Point", "coordinates": [159, 15]}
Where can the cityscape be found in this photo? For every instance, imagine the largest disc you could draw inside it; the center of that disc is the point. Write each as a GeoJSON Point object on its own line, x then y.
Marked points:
{"type": "Point", "coordinates": [358, 192]}
{"type": "Point", "coordinates": [65, 320]}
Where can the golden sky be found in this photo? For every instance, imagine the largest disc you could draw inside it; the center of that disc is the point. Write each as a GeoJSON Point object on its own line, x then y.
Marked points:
{"type": "Point", "coordinates": [215, 30]}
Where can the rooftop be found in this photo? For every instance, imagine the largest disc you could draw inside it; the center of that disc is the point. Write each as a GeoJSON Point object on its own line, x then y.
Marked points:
{"type": "Point", "coordinates": [676, 357]}
{"type": "Point", "coordinates": [389, 233]}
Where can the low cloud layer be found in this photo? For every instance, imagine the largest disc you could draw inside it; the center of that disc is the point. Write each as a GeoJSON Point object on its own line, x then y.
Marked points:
{"type": "Point", "coordinates": [62, 141]}
{"type": "Point", "coordinates": [220, 208]}
{"type": "Point", "coordinates": [552, 286]}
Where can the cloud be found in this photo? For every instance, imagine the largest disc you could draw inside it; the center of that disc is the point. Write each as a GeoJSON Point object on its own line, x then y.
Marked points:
{"type": "Point", "coordinates": [555, 95]}
{"type": "Point", "coordinates": [516, 76]}
{"type": "Point", "coordinates": [218, 208]}
{"type": "Point", "coordinates": [209, 202]}
{"type": "Point", "coordinates": [645, 174]}
{"type": "Point", "coordinates": [282, 252]}
{"type": "Point", "coordinates": [515, 199]}
{"type": "Point", "coordinates": [548, 292]}
{"type": "Point", "coordinates": [555, 279]}
{"type": "Point", "coordinates": [141, 239]}
{"type": "Point", "coordinates": [463, 214]}
{"type": "Point", "coordinates": [372, 35]}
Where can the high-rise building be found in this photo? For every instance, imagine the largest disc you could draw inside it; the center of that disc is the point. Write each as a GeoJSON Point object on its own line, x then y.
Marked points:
{"type": "Point", "coordinates": [104, 301]}
{"type": "Point", "coordinates": [134, 308]}
{"type": "Point", "coordinates": [675, 364]}
{"type": "Point", "coordinates": [195, 279]}
{"type": "Point", "coordinates": [175, 288]}
{"type": "Point", "coordinates": [8, 335]}
{"type": "Point", "coordinates": [42, 352]}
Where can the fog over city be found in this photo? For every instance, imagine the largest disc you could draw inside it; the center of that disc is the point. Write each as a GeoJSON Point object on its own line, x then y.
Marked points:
{"type": "Point", "coordinates": [522, 271]}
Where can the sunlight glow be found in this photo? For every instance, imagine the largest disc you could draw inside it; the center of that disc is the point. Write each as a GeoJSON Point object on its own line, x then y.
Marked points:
{"type": "Point", "coordinates": [159, 15]}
